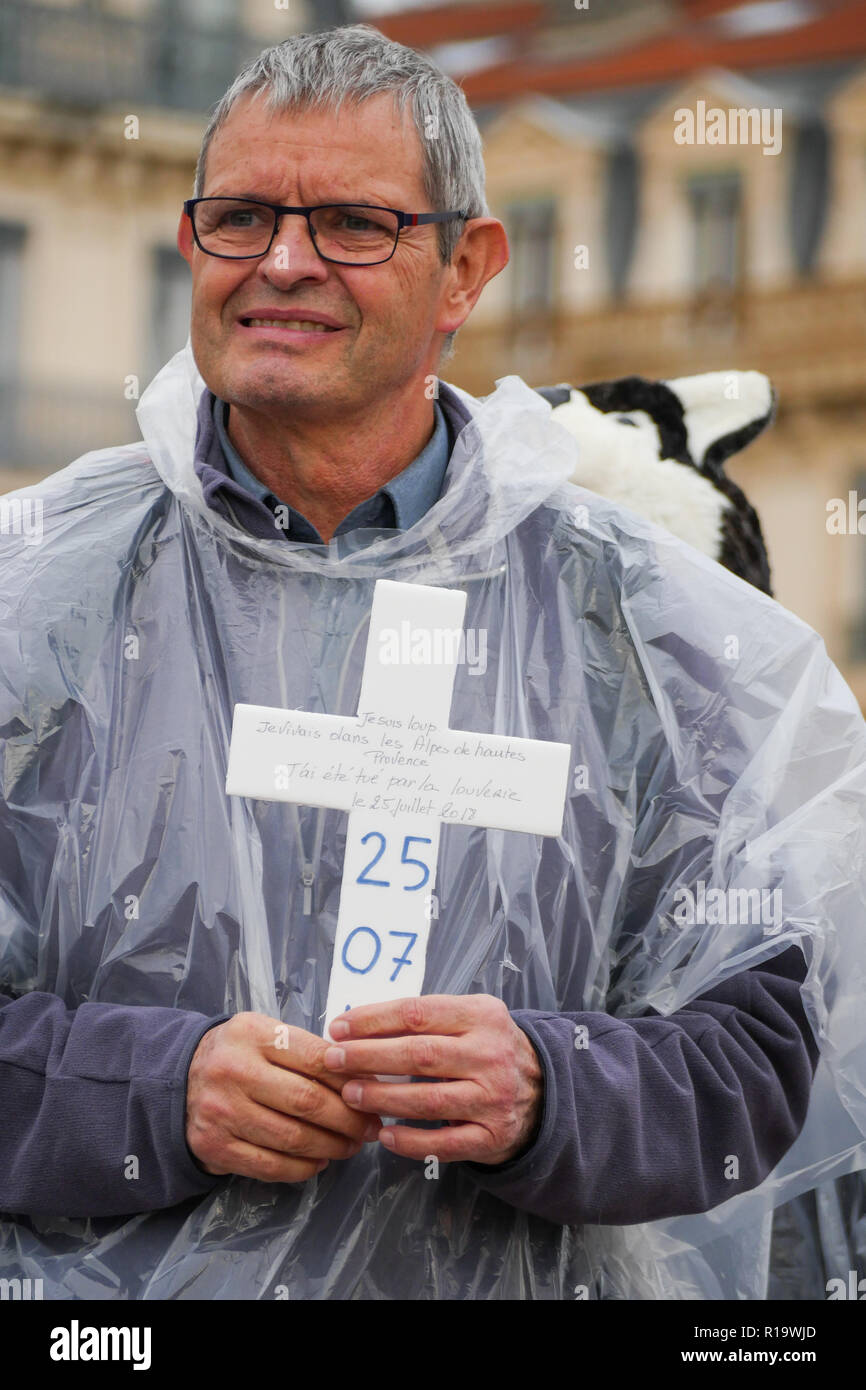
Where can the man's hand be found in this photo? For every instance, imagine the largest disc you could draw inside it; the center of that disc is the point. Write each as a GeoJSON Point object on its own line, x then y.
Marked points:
{"type": "Point", "coordinates": [492, 1083]}
{"type": "Point", "coordinates": [268, 1111]}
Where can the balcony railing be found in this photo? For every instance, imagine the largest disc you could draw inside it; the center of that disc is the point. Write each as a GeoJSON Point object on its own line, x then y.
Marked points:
{"type": "Point", "coordinates": [809, 338]}
{"type": "Point", "coordinates": [82, 57]}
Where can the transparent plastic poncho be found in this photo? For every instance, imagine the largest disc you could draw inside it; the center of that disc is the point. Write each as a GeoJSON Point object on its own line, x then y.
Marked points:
{"type": "Point", "coordinates": [713, 728]}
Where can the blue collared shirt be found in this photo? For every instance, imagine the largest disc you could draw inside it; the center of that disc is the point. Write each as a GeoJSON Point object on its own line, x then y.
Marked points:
{"type": "Point", "coordinates": [401, 502]}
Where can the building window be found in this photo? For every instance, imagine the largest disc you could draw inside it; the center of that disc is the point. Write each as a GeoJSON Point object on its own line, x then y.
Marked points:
{"type": "Point", "coordinates": [715, 201]}
{"type": "Point", "coordinates": [204, 14]}
{"type": "Point", "coordinates": [531, 228]}
{"type": "Point", "coordinates": [809, 192]}
{"type": "Point", "coordinates": [171, 301]}
{"type": "Point", "coordinates": [621, 215]}
{"type": "Point", "coordinates": [12, 239]}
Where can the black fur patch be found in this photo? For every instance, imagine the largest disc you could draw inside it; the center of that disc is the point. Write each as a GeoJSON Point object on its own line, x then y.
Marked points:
{"type": "Point", "coordinates": [721, 449]}
{"type": "Point", "coordinates": [657, 400]}
{"type": "Point", "coordinates": [742, 549]}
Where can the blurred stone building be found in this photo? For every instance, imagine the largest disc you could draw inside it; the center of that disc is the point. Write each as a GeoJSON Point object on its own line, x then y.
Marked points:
{"type": "Point", "coordinates": [101, 115]}
{"type": "Point", "coordinates": [632, 251]}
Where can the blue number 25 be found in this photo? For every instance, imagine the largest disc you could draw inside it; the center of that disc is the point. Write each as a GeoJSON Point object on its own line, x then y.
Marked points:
{"type": "Point", "coordinates": [404, 859]}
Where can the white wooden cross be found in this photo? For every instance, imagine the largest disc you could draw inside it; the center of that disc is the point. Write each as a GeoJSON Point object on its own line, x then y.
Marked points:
{"type": "Point", "coordinates": [400, 772]}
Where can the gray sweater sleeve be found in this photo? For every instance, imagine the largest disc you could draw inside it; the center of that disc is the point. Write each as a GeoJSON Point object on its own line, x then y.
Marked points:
{"type": "Point", "coordinates": [93, 1101]}
{"type": "Point", "coordinates": [640, 1123]}
{"type": "Point", "coordinates": [664, 1116]}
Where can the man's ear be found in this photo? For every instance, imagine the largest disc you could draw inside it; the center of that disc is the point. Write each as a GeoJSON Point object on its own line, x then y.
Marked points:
{"type": "Point", "coordinates": [481, 253]}
{"type": "Point", "coordinates": [185, 242]}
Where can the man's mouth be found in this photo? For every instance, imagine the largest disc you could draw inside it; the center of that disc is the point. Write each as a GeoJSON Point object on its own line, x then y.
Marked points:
{"type": "Point", "coordinates": [297, 325]}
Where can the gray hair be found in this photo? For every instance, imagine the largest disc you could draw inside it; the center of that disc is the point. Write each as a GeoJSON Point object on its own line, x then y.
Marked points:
{"type": "Point", "coordinates": [356, 61]}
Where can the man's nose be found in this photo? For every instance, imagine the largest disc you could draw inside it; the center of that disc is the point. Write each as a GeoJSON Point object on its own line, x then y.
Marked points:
{"type": "Point", "coordinates": [292, 255]}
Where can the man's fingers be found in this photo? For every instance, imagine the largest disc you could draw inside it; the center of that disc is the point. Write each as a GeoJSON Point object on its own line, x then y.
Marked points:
{"type": "Point", "coordinates": [302, 1098]}
{"type": "Point", "coordinates": [454, 1144]}
{"type": "Point", "coordinates": [422, 1056]}
{"type": "Point", "coordinates": [458, 1100]}
{"type": "Point", "coordinates": [268, 1129]}
{"type": "Point", "coordinates": [253, 1161]}
{"type": "Point", "coordinates": [295, 1049]}
{"type": "Point", "coordinates": [429, 1013]}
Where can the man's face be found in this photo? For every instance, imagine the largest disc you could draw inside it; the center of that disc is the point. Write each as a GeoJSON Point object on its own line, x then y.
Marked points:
{"type": "Point", "coordinates": [387, 313]}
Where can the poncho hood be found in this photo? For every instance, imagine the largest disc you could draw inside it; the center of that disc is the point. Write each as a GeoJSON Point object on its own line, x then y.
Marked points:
{"type": "Point", "coordinates": [488, 489]}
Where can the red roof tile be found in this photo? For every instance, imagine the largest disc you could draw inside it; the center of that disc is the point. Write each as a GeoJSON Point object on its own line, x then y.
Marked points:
{"type": "Point", "coordinates": [453, 23]}
{"type": "Point", "coordinates": [839, 34]}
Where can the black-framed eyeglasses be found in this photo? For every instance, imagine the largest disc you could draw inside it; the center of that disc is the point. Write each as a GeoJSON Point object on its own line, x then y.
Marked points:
{"type": "Point", "coordinates": [239, 229]}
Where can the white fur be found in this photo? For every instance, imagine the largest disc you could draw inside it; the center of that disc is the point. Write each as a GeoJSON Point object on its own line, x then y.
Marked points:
{"type": "Point", "coordinates": [622, 463]}
{"type": "Point", "coordinates": [719, 403]}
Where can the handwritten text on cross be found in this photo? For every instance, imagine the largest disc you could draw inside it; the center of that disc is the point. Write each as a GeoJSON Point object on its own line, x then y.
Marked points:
{"type": "Point", "coordinates": [401, 773]}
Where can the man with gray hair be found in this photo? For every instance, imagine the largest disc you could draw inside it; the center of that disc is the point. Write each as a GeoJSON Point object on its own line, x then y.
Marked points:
{"type": "Point", "coordinates": [582, 1067]}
